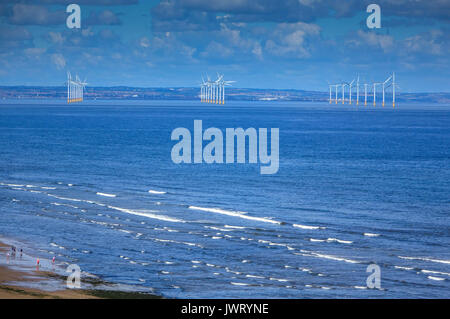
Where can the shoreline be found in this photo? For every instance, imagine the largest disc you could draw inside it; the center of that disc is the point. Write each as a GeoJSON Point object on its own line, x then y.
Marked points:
{"type": "Point", "coordinates": [19, 282]}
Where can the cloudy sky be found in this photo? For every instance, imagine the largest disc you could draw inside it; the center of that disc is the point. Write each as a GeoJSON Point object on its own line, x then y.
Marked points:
{"type": "Point", "coordinates": [298, 44]}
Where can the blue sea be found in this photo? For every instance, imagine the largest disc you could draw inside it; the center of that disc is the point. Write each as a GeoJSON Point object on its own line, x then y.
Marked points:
{"type": "Point", "coordinates": [94, 184]}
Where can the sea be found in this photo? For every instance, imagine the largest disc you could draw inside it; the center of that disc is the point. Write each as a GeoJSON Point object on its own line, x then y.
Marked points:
{"type": "Point", "coordinates": [362, 196]}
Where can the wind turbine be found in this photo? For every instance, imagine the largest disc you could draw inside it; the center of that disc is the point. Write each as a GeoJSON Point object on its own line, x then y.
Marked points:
{"type": "Point", "coordinates": [203, 90]}
{"type": "Point", "coordinates": [219, 87]}
{"type": "Point", "coordinates": [374, 91]}
{"type": "Point", "coordinates": [357, 90]}
{"type": "Point", "coordinates": [384, 84]}
{"type": "Point", "coordinates": [329, 86]}
{"type": "Point", "coordinates": [365, 94]}
{"type": "Point", "coordinates": [343, 92]}
{"type": "Point", "coordinates": [83, 88]}
{"type": "Point", "coordinates": [393, 89]}
{"type": "Point", "coordinates": [69, 86]}
{"type": "Point", "coordinates": [350, 86]}
{"type": "Point", "coordinates": [336, 99]}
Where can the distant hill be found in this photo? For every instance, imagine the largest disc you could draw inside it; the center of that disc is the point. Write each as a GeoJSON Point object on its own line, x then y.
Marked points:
{"type": "Point", "coordinates": [189, 93]}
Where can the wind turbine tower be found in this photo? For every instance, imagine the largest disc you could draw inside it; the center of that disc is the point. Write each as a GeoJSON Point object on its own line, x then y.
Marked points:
{"type": "Point", "coordinates": [357, 90]}
{"type": "Point", "coordinates": [365, 94]}
{"type": "Point", "coordinates": [393, 89]}
{"type": "Point", "coordinates": [350, 86]}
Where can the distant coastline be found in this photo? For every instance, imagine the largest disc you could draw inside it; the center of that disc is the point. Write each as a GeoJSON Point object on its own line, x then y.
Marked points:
{"type": "Point", "coordinates": [192, 93]}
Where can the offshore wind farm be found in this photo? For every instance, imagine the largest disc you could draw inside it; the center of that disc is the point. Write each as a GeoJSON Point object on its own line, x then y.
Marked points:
{"type": "Point", "coordinates": [75, 89]}
{"type": "Point", "coordinates": [214, 91]}
{"type": "Point", "coordinates": [386, 84]}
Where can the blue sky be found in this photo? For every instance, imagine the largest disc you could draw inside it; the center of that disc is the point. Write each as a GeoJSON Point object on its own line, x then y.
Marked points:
{"type": "Point", "coordinates": [298, 44]}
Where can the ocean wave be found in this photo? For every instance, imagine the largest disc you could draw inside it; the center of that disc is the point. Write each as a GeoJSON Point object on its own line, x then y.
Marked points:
{"type": "Point", "coordinates": [441, 261]}
{"type": "Point", "coordinates": [217, 228]}
{"type": "Point", "coordinates": [317, 240]}
{"type": "Point", "coordinates": [175, 242]}
{"type": "Point", "coordinates": [371, 234]}
{"type": "Point", "coordinates": [148, 215]}
{"type": "Point", "coordinates": [254, 276]}
{"type": "Point", "coordinates": [278, 279]}
{"type": "Point", "coordinates": [436, 278]}
{"type": "Point", "coordinates": [106, 194]}
{"type": "Point", "coordinates": [331, 257]}
{"type": "Point", "coordinates": [235, 214]}
{"type": "Point", "coordinates": [239, 284]}
{"type": "Point", "coordinates": [307, 227]}
{"type": "Point", "coordinates": [425, 271]}
{"type": "Point", "coordinates": [151, 191]}
{"type": "Point", "coordinates": [12, 185]}
{"type": "Point", "coordinates": [234, 227]}
{"type": "Point", "coordinates": [339, 241]}
{"type": "Point", "coordinates": [403, 268]}
{"type": "Point", "coordinates": [58, 246]}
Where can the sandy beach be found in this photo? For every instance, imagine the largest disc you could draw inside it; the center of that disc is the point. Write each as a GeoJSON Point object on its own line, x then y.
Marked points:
{"type": "Point", "coordinates": [14, 285]}
{"type": "Point", "coordinates": [9, 291]}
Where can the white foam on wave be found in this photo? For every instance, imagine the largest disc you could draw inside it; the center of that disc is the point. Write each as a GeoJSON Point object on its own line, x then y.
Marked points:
{"type": "Point", "coordinates": [239, 284]}
{"type": "Point", "coordinates": [441, 261]}
{"type": "Point", "coordinates": [13, 185]}
{"type": "Point", "coordinates": [46, 187]}
{"type": "Point", "coordinates": [66, 198]}
{"type": "Point", "coordinates": [65, 205]}
{"type": "Point", "coordinates": [234, 227]}
{"type": "Point", "coordinates": [56, 245]}
{"type": "Point", "coordinates": [175, 242]}
{"type": "Point", "coordinates": [217, 228]}
{"type": "Point", "coordinates": [148, 215]}
{"type": "Point", "coordinates": [317, 240]}
{"type": "Point", "coordinates": [254, 276]}
{"type": "Point", "coordinates": [425, 271]}
{"type": "Point", "coordinates": [331, 257]}
{"type": "Point", "coordinates": [436, 278]}
{"type": "Point", "coordinates": [371, 234]}
{"type": "Point", "coordinates": [403, 268]}
{"type": "Point", "coordinates": [106, 194]}
{"type": "Point", "coordinates": [152, 191]}
{"type": "Point", "coordinates": [340, 241]}
{"type": "Point", "coordinates": [278, 279]}
{"type": "Point", "coordinates": [307, 227]}
{"type": "Point", "coordinates": [235, 214]}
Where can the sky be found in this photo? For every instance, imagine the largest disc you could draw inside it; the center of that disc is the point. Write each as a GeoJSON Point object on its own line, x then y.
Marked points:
{"type": "Point", "coordinates": [280, 44]}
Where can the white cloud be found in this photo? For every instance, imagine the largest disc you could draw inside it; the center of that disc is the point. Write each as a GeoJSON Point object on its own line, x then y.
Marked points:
{"type": "Point", "coordinates": [58, 60]}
